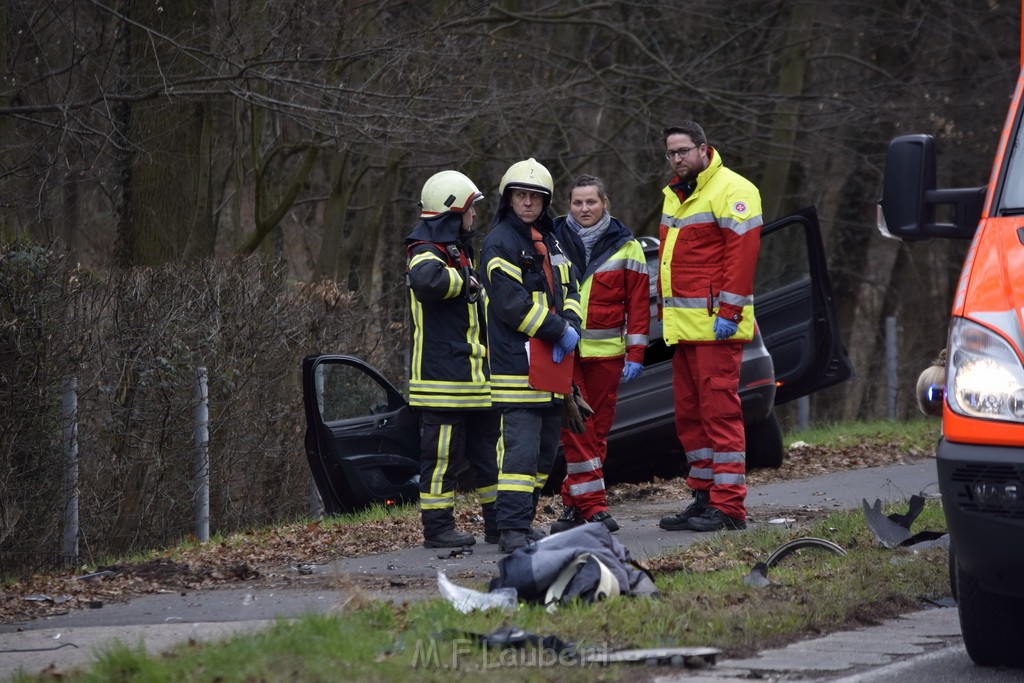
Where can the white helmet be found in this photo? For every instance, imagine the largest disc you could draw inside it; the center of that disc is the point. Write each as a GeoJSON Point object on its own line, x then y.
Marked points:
{"type": "Point", "coordinates": [529, 175]}
{"type": "Point", "coordinates": [447, 191]}
{"type": "Point", "coordinates": [607, 586]}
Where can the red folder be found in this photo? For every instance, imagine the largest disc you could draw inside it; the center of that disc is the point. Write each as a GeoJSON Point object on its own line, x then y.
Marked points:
{"type": "Point", "coordinates": [545, 373]}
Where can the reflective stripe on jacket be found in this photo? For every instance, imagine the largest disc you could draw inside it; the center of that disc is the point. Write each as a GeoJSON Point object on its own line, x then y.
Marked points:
{"type": "Point", "coordinates": [448, 364]}
{"type": "Point", "coordinates": [709, 245]}
{"type": "Point", "coordinates": [520, 306]}
{"type": "Point", "coordinates": [615, 294]}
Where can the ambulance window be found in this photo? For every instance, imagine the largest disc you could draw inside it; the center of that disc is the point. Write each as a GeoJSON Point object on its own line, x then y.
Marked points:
{"type": "Point", "coordinates": [1013, 187]}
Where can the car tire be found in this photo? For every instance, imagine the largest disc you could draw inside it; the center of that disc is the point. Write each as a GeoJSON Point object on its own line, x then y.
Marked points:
{"type": "Point", "coordinates": [764, 443]}
{"type": "Point", "coordinates": [991, 624]}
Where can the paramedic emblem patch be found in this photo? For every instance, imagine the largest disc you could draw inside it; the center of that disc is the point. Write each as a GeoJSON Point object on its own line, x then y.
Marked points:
{"type": "Point", "coordinates": [739, 207]}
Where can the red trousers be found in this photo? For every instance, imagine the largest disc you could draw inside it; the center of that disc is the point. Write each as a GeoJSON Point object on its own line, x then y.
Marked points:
{"type": "Point", "coordinates": [585, 453]}
{"type": "Point", "coordinates": [709, 421]}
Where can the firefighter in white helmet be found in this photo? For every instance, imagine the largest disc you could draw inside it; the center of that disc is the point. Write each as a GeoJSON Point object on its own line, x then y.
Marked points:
{"type": "Point", "coordinates": [449, 383]}
{"type": "Point", "coordinates": [531, 293]}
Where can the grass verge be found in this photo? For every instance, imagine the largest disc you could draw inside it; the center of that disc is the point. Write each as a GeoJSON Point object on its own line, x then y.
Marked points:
{"type": "Point", "coordinates": [704, 602]}
{"type": "Point", "coordinates": [918, 434]}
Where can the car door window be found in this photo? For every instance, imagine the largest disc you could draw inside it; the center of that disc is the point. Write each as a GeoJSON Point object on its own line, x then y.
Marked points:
{"type": "Point", "coordinates": [783, 262]}
{"type": "Point", "coordinates": [345, 392]}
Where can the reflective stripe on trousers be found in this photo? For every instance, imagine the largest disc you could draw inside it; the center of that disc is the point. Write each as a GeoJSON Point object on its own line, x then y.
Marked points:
{"type": "Point", "coordinates": [529, 443]}
{"type": "Point", "coordinates": [709, 421]}
{"type": "Point", "coordinates": [447, 439]}
{"type": "Point", "coordinates": [585, 453]}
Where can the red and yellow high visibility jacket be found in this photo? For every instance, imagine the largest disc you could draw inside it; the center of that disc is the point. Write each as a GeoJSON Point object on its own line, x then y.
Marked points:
{"type": "Point", "coordinates": [615, 294]}
{"type": "Point", "coordinates": [710, 240]}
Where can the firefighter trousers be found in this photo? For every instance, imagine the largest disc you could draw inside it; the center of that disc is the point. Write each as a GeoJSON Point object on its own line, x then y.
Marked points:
{"type": "Point", "coordinates": [709, 421]}
{"type": "Point", "coordinates": [450, 439]}
{"type": "Point", "coordinates": [585, 454]}
{"type": "Point", "coordinates": [526, 452]}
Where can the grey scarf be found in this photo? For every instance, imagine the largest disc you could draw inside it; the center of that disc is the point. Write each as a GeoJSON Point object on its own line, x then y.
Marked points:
{"type": "Point", "coordinates": [590, 235]}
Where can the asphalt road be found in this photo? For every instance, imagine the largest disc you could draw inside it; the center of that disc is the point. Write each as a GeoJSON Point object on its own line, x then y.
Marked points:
{"type": "Point", "coordinates": [159, 621]}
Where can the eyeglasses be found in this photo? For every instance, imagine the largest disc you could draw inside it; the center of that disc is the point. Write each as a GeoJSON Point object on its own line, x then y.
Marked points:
{"type": "Point", "coordinates": [682, 152]}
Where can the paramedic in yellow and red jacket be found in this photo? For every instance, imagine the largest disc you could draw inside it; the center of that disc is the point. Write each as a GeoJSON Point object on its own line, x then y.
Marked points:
{"type": "Point", "coordinates": [710, 239]}
{"type": "Point", "coordinates": [615, 292]}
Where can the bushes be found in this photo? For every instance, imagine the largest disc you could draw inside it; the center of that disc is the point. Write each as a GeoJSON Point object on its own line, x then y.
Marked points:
{"type": "Point", "coordinates": [134, 340]}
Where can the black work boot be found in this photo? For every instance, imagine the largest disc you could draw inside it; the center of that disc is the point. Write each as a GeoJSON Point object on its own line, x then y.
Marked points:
{"type": "Point", "coordinates": [714, 519]}
{"type": "Point", "coordinates": [448, 539]}
{"type": "Point", "coordinates": [512, 540]}
{"type": "Point", "coordinates": [569, 518]}
{"type": "Point", "coordinates": [604, 517]}
{"type": "Point", "coordinates": [680, 521]}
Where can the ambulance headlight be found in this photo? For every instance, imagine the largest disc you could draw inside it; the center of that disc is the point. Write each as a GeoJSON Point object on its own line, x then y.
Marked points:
{"type": "Point", "coordinates": [986, 378]}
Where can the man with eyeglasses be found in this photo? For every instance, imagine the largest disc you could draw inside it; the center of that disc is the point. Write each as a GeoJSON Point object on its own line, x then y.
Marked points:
{"type": "Point", "coordinates": [710, 238]}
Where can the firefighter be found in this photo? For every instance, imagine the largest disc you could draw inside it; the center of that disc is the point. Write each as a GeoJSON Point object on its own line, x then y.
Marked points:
{"type": "Point", "coordinates": [615, 300]}
{"type": "Point", "coordinates": [530, 293]}
{"type": "Point", "coordinates": [449, 382]}
{"type": "Point", "coordinates": [710, 238]}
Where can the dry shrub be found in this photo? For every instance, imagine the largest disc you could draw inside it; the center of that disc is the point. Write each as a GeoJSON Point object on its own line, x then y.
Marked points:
{"type": "Point", "coordinates": [134, 340]}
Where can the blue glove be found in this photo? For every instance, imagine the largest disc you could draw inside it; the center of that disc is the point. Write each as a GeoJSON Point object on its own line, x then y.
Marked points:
{"type": "Point", "coordinates": [631, 370]}
{"type": "Point", "coordinates": [566, 344]}
{"type": "Point", "coordinates": [724, 328]}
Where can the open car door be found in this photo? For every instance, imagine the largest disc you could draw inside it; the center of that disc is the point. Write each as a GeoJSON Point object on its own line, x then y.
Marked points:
{"type": "Point", "coordinates": [795, 309]}
{"type": "Point", "coordinates": [362, 438]}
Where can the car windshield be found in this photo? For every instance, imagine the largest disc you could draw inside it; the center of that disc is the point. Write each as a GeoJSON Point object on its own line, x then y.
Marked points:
{"type": "Point", "coordinates": [1012, 199]}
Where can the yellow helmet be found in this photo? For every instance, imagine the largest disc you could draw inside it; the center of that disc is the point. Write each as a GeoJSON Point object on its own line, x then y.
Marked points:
{"type": "Point", "coordinates": [528, 175]}
{"type": "Point", "coordinates": [447, 191]}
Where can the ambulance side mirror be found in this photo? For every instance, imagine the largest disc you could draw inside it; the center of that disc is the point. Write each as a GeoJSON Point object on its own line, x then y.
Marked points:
{"type": "Point", "coordinates": [908, 208]}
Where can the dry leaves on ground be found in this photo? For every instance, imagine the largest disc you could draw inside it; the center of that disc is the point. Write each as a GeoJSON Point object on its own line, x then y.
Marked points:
{"type": "Point", "coordinates": [280, 554]}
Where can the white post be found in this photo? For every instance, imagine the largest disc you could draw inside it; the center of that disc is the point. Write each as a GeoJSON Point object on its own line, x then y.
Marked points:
{"type": "Point", "coordinates": [891, 366]}
{"type": "Point", "coordinates": [69, 422]}
{"type": "Point", "coordinates": [201, 434]}
{"type": "Point", "coordinates": [316, 506]}
{"type": "Point", "coordinates": [803, 413]}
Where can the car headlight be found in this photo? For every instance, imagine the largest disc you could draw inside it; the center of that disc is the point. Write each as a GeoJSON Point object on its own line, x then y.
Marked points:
{"type": "Point", "coordinates": [986, 379]}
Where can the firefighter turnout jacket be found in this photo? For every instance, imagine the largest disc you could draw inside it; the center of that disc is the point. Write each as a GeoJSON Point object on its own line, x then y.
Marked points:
{"type": "Point", "coordinates": [448, 367]}
{"type": "Point", "coordinates": [520, 304]}
{"type": "Point", "coordinates": [615, 293]}
{"type": "Point", "coordinates": [710, 238]}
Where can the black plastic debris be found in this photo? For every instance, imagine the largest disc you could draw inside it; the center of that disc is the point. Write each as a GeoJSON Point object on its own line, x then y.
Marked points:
{"type": "Point", "coordinates": [758, 576]}
{"type": "Point", "coordinates": [915, 507]}
{"type": "Point", "coordinates": [894, 530]}
{"type": "Point", "coordinates": [515, 637]}
{"type": "Point", "coordinates": [790, 547]}
{"type": "Point", "coordinates": [512, 637]}
{"type": "Point", "coordinates": [455, 552]}
{"type": "Point", "coordinates": [886, 531]}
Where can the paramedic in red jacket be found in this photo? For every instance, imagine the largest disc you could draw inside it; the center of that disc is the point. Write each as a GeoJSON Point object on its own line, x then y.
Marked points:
{"type": "Point", "coordinates": [615, 298]}
{"type": "Point", "coordinates": [710, 238]}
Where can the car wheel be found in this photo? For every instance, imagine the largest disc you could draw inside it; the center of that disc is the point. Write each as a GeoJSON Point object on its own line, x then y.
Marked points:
{"type": "Point", "coordinates": [991, 624]}
{"type": "Point", "coordinates": [764, 443]}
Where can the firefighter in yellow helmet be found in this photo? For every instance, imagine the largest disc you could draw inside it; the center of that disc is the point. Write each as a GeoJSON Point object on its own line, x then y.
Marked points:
{"type": "Point", "coordinates": [449, 383]}
{"type": "Point", "coordinates": [531, 292]}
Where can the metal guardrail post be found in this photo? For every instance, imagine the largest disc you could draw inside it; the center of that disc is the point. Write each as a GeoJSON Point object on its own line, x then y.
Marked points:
{"type": "Point", "coordinates": [69, 422]}
{"type": "Point", "coordinates": [201, 435]}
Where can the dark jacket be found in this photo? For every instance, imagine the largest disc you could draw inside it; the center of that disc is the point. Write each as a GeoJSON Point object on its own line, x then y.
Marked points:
{"type": "Point", "coordinates": [448, 364]}
{"type": "Point", "coordinates": [520, 304]}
